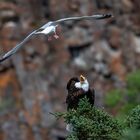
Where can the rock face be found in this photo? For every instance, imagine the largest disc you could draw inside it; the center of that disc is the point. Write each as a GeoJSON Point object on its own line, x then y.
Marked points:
{"type": "Point", "coordinates": [33, 81]}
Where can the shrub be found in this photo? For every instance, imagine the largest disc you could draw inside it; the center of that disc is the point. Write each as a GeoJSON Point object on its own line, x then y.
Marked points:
{"type": "Point", "coordinates": [133, 119]}
{"type": "Point", "coordinates": [113, 98]}
{"type": "Point", "coordinates": [90, 123]}
{"type": "Point", "coordinates": [132, 123]}
{"type": "Point", "coordinates": [131, 134]}
{"type": "Point", "coordinates": [133, 81]}
{"type": "Point", "coordinates": [122, 101]}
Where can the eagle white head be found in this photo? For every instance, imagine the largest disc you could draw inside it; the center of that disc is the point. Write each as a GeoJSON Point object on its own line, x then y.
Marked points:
{"type": "Point", "coordinates": [82, 84]}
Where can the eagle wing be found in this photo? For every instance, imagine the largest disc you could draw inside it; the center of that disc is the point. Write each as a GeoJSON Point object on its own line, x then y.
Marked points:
{"type": "Point", "coordinates": [91, 96]}
{"type": "Point", "coordinates": [73, 98]}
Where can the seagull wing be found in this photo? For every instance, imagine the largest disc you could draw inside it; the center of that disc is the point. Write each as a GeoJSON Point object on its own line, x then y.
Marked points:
{"type": "Point", "coordinates": [17, 47]}
{"type": "Point", "coordinates": [95, 17]}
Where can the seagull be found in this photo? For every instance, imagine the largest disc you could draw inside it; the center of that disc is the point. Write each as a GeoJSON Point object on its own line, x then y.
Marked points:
{"type": "Point", "coordinates": [49, 29]}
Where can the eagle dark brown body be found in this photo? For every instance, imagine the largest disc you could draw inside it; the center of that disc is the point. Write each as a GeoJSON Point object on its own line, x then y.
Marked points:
{"type": "Point", "coordinates": [75, 94]}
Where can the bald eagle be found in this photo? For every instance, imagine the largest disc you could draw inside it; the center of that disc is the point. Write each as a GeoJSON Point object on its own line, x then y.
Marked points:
{"type": "Point", "coordinates": [78, 89]}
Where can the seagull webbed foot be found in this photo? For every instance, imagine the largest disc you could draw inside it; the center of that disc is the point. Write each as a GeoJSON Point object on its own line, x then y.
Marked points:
{"type": "Point", "coordinates": [56, 36]}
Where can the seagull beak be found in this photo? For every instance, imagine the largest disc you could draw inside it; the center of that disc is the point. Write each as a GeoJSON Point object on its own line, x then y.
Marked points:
{"type": "Point", "coordinates": [82, 79]}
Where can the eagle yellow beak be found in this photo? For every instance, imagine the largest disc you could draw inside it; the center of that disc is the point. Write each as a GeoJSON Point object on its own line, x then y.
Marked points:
{"type": "Point", "coordinates": [82, 79]}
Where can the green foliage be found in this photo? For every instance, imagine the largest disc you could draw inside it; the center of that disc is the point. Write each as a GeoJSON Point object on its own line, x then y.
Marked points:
{"type": "Point", "coordinates": [132, 131]}
{"type": "Point", "coordinates": [90, 123]}
{"type": "Point", "coordinates": [133, 81]}
{"type": "Point", "coordinates": [72, 136]}
{"type": "Point", "coordinates": [126, 99]}
{"type": "Point", "coordinates": [113, 98]}
{"type": "Point", "coordinates": [133, 87]}
{"type": "Point", "coordinates": [131, 134]}
{"type": "Point", "coordinates": [133, 119]}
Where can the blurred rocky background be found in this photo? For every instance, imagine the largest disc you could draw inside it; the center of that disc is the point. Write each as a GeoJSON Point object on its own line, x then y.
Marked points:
{"type": "Point", "coordinates": [33, 82]}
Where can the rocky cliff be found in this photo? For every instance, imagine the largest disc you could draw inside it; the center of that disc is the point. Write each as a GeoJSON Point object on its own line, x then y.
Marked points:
{"type": "Point", "coordinates": [33, 81]}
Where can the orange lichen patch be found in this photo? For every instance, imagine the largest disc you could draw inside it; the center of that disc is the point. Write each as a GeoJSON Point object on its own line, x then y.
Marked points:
{"type": "Point", "coordinates": [5, 79]}
{"type": "Point", "coordinates": [30, 118]}
{"type": "Point", "coordinates": [117, 66]}
{"type": "Point", "coordinates": [30, 134]}
{"type": "Point", "coordinates": [33, 116]}
{"type": "Point", "coordinates": [9, 80]}
{"type": "Point", "coordinates": [1, 136]}
{"type": "Point", "coordinates": [8, 77]}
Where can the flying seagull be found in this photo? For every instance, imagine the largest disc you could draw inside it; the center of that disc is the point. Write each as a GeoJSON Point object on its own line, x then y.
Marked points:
{"type": "Point", "coordinates": [78, 89]}
{"type": "Point", "coordinates": [50, 29]}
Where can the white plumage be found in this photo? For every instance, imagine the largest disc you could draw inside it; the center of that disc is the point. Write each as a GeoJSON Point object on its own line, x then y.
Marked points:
{"type": "Point", "coordinates": [48, 30]}
{"type": "Point", "coordinates": [84, 85]}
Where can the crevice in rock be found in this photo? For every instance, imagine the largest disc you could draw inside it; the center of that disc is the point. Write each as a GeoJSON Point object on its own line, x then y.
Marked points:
{"type": "Point", "coordinates": [75, 50]}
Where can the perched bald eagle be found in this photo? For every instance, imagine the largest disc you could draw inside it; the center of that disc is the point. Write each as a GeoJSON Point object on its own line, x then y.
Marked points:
{"type": "Point", "coordinates": [78, 89]}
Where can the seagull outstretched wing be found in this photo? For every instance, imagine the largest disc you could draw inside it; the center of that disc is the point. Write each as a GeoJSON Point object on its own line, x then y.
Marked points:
{"type": "Point", "coordinates": [92, 17]}
{"type": "Point", "coordinates": [17, 47]}
{"type": "Point", "coordinates": [46, 26]}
